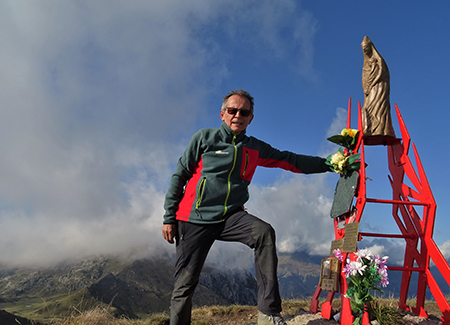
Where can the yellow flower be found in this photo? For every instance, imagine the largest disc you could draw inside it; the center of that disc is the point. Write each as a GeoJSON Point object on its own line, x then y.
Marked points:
{"type": "Point", "coordinates": [339, 162]}
{"type": "Point", "coordinates": [349, 132]}
{"type": "Point", "coordinates": [336, 158]}
{"type": "Point", "coordinates": [342, 163]}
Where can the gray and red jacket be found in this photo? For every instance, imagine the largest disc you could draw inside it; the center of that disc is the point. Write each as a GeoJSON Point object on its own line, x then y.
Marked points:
{"type": "Point", "coordinates": [213, 175]}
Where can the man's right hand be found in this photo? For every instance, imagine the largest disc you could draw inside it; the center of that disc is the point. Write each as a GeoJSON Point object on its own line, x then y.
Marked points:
{"type": "Point", "coordinates": [169, 231]}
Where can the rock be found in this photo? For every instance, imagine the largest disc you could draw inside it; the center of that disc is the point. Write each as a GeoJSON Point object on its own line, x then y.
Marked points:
{"type": "Point", "coordinates": [11, 319]}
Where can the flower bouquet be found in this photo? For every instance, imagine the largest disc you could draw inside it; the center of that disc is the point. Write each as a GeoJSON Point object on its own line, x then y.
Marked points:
{"type": "Point", "coordinates": [367, 273]}
{"type": "Point", "coordinates": [344, 162]}
{"type": "Point", "coordinates": [348, 138]}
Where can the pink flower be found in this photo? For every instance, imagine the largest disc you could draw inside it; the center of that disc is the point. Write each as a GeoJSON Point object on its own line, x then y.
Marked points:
{"type": "Point", "coordinates": [381, 262]}
{"type": "Point", "coordinates": [384, 281]}
{"type": "Point", "coordinates": [338, 254]}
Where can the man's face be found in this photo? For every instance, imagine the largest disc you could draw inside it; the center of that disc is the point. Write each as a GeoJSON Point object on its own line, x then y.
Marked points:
{"type": "Point", "coordinates": [237, 122]}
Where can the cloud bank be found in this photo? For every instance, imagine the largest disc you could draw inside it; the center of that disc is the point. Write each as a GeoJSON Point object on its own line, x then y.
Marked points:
{"type": "Point", "coordinates": [98, 100]}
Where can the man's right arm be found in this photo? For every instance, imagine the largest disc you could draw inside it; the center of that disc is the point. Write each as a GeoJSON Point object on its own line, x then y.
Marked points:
{"type": "Point", "coordinates": [175, 192]}
{"type": "Point", "coordinates": [172, 200]}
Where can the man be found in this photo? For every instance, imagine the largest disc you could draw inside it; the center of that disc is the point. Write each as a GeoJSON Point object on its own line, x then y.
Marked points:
{"type": "Point", "coordinates": [205, 202]}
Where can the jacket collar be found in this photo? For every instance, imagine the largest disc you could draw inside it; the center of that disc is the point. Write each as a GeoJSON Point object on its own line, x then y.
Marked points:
{"type": "Point", "coordinates": [229, 133]}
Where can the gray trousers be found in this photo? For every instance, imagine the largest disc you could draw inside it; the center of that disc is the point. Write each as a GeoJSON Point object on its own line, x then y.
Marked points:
{"type": "Point", "coordinates": [193, 243]}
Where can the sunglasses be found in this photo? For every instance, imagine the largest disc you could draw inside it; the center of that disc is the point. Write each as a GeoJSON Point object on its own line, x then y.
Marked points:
{"type": "Point", "coordinates": [242, 112]}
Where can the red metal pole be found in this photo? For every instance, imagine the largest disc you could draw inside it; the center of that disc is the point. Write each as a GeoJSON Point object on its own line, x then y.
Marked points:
{"type": "Point", "coordinates": [349, 113]}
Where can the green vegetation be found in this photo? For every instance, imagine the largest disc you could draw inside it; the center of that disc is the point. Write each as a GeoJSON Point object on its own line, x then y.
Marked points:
{"type": "Point", "coordinates": [56, 306]}
{"type": "Point", "coordinates": [384, 314]}
{"type": "Point", "coordinates": [384, 310]}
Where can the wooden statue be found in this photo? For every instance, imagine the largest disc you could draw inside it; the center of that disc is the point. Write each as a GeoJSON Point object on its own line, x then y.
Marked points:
{"type": "Point", "coordinates": [376, 112]}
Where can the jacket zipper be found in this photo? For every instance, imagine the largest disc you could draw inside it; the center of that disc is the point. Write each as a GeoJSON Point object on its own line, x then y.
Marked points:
{"type": "Point", "coordinates": [200, 192]}
{"type": "Point", "coordinates": [229, 175]}
{"type": "Point", "coordinates": [246, 164]}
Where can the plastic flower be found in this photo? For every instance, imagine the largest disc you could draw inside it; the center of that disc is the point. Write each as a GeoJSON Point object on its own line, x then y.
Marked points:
{"type": "Point", "coordinates": [338, 254]}
{"type": "Point", "coordinates": [384, 281]}
{"type": "Point", "coordinates": [337, 158]}
{"type": "Point", "coordinates": [382, 269]}
{"type": "Point", "coordinates": [353, 268]}
{"type": "Point", "coordinates": [381, 262]}
{"type": "Point", "coordinates": [341, 165]}
{"type": "Point", "coordinates": [367, 273]}
{"type": "Point", "coordinates": [349, 132]}
{"type": "Point", "coordinates": [364, 253]}
{"type": "Point", "coordinates": [340, 162]}
{"type": "Point", "coordinates": [348, 138]}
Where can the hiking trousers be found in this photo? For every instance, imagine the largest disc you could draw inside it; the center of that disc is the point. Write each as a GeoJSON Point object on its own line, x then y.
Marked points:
{"type": "Point", "coordinates": [193, 243]}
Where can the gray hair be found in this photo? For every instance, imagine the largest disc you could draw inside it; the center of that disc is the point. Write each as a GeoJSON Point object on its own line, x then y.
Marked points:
{"type": "Point", "coordinates": [240, 92]}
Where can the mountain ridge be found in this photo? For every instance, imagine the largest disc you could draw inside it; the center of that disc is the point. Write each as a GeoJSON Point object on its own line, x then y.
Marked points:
{"type": "Point", "coordinates": [131, 288]}
{"type": "Point", "coordinates": [140, 287]}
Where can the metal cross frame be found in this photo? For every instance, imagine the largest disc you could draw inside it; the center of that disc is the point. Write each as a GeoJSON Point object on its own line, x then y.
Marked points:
{"type": "Point", "coordinates": [414, 211]}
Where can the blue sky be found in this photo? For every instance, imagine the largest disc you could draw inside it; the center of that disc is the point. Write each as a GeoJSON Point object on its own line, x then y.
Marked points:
{"type": "Point", "coordinates": [100, 98]}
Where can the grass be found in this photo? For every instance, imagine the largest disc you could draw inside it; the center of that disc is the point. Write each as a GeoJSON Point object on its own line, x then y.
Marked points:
{"type": "Point", "coordinates": [385, 313]}
{"type": "Point", "coordinates": [58, 307]}
{"type": "Point", "coordinates": [385, 310]}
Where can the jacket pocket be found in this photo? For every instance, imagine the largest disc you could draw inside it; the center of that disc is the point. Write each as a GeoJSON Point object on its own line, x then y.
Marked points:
{"type": "Point", "coordinates": [200, 191]}
{"type": "Point", "coordinates": [245, 165]}
{"type": "Point", "coordinates": [248, 163]}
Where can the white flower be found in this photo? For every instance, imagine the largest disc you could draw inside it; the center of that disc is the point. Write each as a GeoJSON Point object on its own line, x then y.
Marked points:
{"type": "Point", "coordinates": [337, 158]}
{"type": "Point", "coordinates": [364, 253]}
{"type": "Point", "coordinates": [355, 267]}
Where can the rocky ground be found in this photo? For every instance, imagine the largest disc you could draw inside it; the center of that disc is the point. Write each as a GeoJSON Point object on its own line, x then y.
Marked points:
{"type": "Point", "coordinates": [301, 317]}
{"type": "Point", "coordinates": [10, 319]}
{"type": "Point", "coordinates": [308, 318]}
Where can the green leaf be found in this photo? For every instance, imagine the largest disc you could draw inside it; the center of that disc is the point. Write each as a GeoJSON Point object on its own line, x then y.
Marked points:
{"type": "Point", "coordinates": [353, 158]}
{"type": "Point", "coordinates": [336, 139]}
{"type": "Point", "coordinates": [358, 320]}
{"type": "Point", "coordinates": [355, 281]}
{"type": "Point", "coordinates": [355, 166]}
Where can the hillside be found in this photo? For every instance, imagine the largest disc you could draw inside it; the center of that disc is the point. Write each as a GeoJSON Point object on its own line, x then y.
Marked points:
{"type": "Point", "coordinates": [138, 288]}
{"type": "Point", "coordinates": [295, 312]}
{"type": "Point", "coordinates": [143, 287]}
{"type": "Point", "coordinates": [134, 289]}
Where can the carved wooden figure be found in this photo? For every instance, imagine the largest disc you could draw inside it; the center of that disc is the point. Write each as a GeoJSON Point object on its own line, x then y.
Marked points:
{"type": "Point", "coordinates": [376, 112]}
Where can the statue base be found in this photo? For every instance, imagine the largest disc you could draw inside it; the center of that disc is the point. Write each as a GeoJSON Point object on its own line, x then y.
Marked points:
{"type": "Point", "coordinates": [378, 140]}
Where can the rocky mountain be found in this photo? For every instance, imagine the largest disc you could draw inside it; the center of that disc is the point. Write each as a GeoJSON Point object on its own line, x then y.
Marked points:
{"type": "Point", "coordinates": [133, 288]}
{"type": "Point", "coordinates": [10, 319]}
{"type": "Point", "coordinates": [141, 287]}
{"type": "Point", "coordinates": [298, 275]}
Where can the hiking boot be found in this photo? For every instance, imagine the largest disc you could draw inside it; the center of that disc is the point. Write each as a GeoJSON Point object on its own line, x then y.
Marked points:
{"type": "Point", "coordinates": [275, 319]}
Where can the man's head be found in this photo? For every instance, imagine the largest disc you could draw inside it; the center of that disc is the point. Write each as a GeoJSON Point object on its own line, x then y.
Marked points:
{"type": "Point", "coordinates": [237, 110]}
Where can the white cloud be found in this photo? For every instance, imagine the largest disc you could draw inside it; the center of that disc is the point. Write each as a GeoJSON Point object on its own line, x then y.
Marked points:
{"type": "Point", "coordinates": [337, 124]}
{"type": "Point", "coordinates": [297, 207]}
{"type": "Point", "coordinates": [395, 249]}
{"type": "Point", "coordinates": [95, 98]}
{"type": "Point", "coordinates": [445, 250]}
{"type": "Point", "coordinates": [299, 210]}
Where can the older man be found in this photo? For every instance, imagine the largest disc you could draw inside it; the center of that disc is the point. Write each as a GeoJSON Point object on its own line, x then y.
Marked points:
{"type": "Point", "coordinates": [205, 202]}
